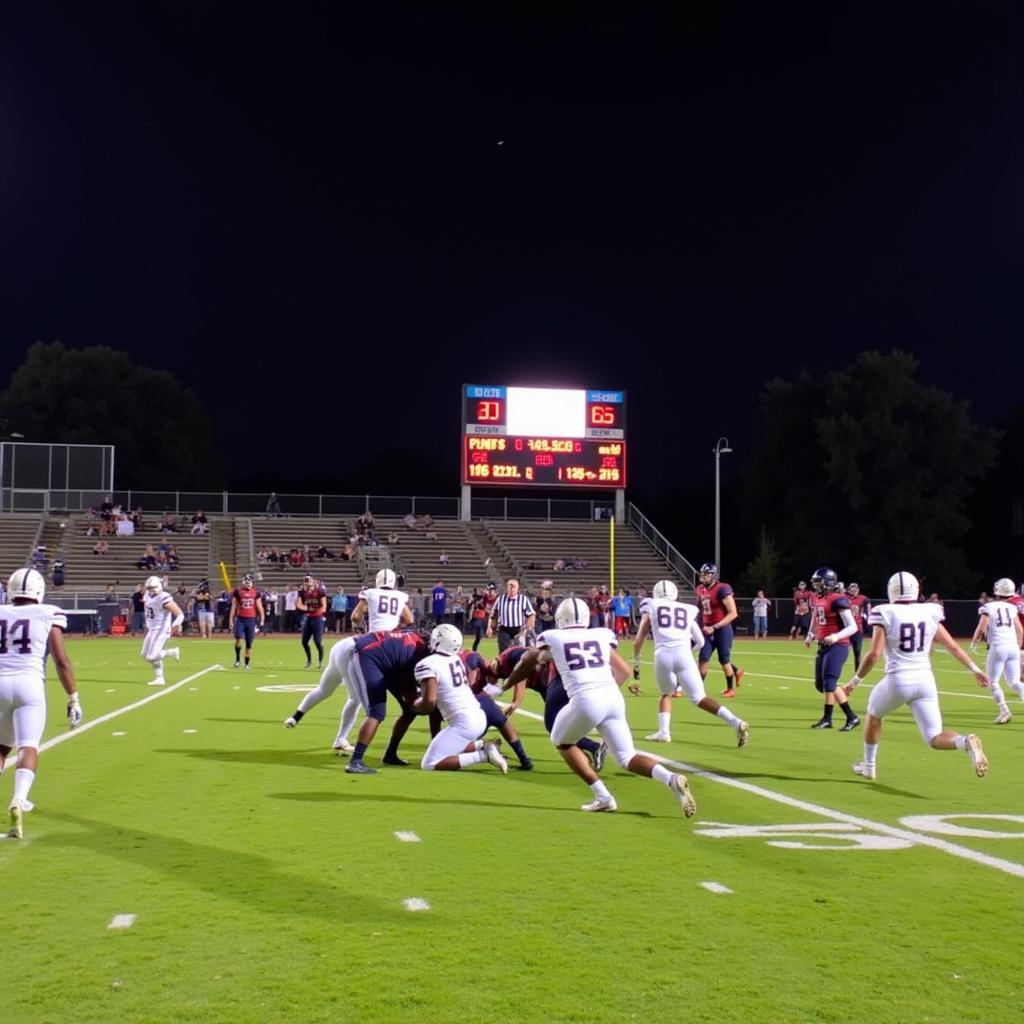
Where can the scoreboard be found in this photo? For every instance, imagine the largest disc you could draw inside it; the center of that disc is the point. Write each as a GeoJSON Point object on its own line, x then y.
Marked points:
{"type": "Point", "coordinates": [550, 437]}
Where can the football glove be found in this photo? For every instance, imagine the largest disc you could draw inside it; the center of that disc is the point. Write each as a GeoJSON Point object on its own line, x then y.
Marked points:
{"type": "Point", "coordinates": [74, 711]}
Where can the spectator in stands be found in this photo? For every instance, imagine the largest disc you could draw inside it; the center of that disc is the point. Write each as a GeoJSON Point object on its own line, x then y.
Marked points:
{"type": "Point", "coordinates": [261, 556]}
{"type": "Point", "coordinates": [324, 552]}
{"type": "Point", "coordinates": [339, 605]}
{"type": "Point", "coordinates": [168, 522]}
{"type": "Point", "coordinates": [148, 559]}
{"type": "Point", "coordinates": [101, 547]}
{"type": "Point", "coordinates": [295, 558]}
{"type": "Point", "coordinates": [58, 572]}
{"type": "Point", "coordinates": [559, 565]}
{"type": "Point", "coordinates": [138, 610]}
{"type": "Point", "coordinates": [442, 558]}
{"type": "Point", "coordinates": [125, 527]}
{"type": "Point", "coordinates": [428, 522]}
{"type": "Point", "coordinates": [273, 506]}
{"type": "Point", "coordinates": [430, 535]}
{"type": "Point", "coordinates": [348, 552]}
{"type": "Point", "coordinates": [136, 517]}
{"type": "Point", "coordinates": [172, 558]}
{"type": "Point", "coordinates": [199, 523]}
{"type": "Point", "coordinates": [392, 537]}
{"type": "Point", "coordinates": [409, 520]}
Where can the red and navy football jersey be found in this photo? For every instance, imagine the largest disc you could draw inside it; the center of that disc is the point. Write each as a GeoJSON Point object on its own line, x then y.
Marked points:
{"type": "Point", "coordinates": [711, 601]}
{"type": "Point", "coordinates": [246, 598]}
{"type": "Point", "coordinates": [476, 669]}
{"type": "Point", "coordinates": [825, 610]}
{"type": "Point", "coordinates": [859, 606]}
{"type": "Point", "coordinates": [510, 657]}
{"type": "Point", "coordinates": [311, 599]}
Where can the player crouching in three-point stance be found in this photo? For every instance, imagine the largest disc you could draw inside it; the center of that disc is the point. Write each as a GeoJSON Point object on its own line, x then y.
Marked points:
{"type": "Point", "coordinates": [593, 671]}
{"type": "Point", "coordinates": [832, 625]}
{"type": "Point", "coordinates": [905, 631]}
{"type": "Point", "coordinates": [163, 618]}
{"type": "Point", "coordinates": [676, 628]}
{"type": "Point", "coordinates": [27, 629]}
{"type": "Point", "coordinates": [444, 684]}
{"type": "Point", "coordinates": [1000, 624]}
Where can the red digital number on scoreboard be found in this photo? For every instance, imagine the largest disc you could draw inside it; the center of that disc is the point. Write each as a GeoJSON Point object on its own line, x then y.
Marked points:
{"type": "Point", "coordinates": [602, 415]}
{"type": "Point", "coordinates": [488, 411]}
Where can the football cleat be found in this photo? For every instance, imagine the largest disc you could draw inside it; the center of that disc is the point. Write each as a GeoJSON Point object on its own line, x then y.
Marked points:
{"type": "Point", "coordinates": [174, 652]}
{"type": "Point", "coordinates": [728, 692]}
{"type": "Point", "coordinates": [681, 787]}
{"type": "Point", "coordinates": [14, 814]}
{"type": "Point", "coordinates": [157, 682]}
{"type": "Point", "coordinates": [360, 768]}
{"type": "Point", "coordinates": [742, 734]}
{"type": "Point", "coordinates": [248, 668]}
{"type": "Point", "coordinates": [394, 759]}
{"type": "Point", "coordinates": [822, 723]}
{"type": "Point", "coordinates": [600, 756]}
{"type": "Point", "coordinates": [493, 754]}
{"type": "Point", "coordinates": [1004, 716]}
{"type": "Point", "coordinates": [977, 755]}
{"type": "Point", "coordinates": [290, 722]}
{"type": "Point", "coordinates": [602, 803]}
{"type": "Point", "coordinates": [740, 673]}
{"type": "Point", "coordinates": [343, 748]}
{"type": "Point", "coordinates": [850, 724]}
{"type": "Point", "coordinates": [526, 765]}
{"type": "Point", "coordinates": [308, 664]}
{"type": "Point", "coordinates": [864, 770]}
{"type": "Point", "coordinates": [658, 737]}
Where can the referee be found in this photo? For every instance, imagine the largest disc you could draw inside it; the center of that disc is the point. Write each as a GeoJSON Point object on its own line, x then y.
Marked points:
{"type": "Point", "coordinates": [512, 614]}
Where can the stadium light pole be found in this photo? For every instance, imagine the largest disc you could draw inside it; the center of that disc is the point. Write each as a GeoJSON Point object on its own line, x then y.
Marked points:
{"type": "Point", "coordinates": [721, 448]}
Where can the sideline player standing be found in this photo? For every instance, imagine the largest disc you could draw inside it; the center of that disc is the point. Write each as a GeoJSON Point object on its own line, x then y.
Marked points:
{"type": "Point", "coordinates": [246, 605]}
{"type": "Point", "coordinates": [717, 614]}
{"type": "Point", "coordinates": [675, 627]}
{"type": "Point", "coordinates": [593, 671]}
{"type": "Point", "coordinates": [163, 618]}
{"type": "Point", "coordinates": [312, 604]}
{"type": "Point", "coordinates": [1000, 624]}
{"type": "Point", "coordinates": [832, 625]}
{"type": "Point", "coordinates": [905, 630]}
{"type": "Point", "coordinates": [29, 629]}
{"type": "Point", "coordinates": [861, 608]}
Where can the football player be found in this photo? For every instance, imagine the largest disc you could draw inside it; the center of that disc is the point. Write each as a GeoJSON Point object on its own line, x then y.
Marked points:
{"type": "Point", "coordinates": [861, 607]}
{"type": "Point", "coordinates": [593, 670]}
{"type": "Point", "coordinates": [717, 614]}
{"type": "Point", "coordinates": [163, 619]}
{"type": "Point", "coordinates": [675, 627]}
{"type": "Point", "coordinates": [1000, 624]}
{"type": "Point", "coordinates": [904, 630]}
{"type": "Point", "coordinates": [312, 604]}
{"type": "Point", "coordinates": [444, 685]}
{"type": "Point", "coordinates": [246, 609]}
{"type": "Point", "coordinates": [30, 630]}
{"type": "Point", "coordinates": [832, 625]}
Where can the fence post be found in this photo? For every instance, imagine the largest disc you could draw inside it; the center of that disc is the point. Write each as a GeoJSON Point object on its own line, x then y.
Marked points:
{"type": "Point", "coordinates": [224, 506]}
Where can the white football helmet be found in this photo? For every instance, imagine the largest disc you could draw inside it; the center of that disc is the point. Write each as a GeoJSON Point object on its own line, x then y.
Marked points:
{"type": "Point", "coordinates": [446, 639]}
{"type": "Point", "coordinates": [903, 587]}
{"type": "Point", "coordinates": [572, 612]}
{"type": "Point", "coordinates": [154, 584]}
{"type": "Point", "coordinates": [666, 588]}
{"type": "Point", "coordinates": [27, 583]}
{"type": "Point", "coordinates": [1004, 587]}
{"type": "Point", "coordinates": [386, 579]}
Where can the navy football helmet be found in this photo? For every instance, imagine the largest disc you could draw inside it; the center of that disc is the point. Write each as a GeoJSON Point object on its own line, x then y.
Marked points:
{"type": "Point", "coordinates": [824, 580]}
{"type": "Point", "coordinates": [708, 573]}
{"type": "Point", "coordinates": [247, 580]}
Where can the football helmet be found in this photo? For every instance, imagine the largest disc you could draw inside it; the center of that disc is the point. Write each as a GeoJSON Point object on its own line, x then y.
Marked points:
{"type": "Point", "coordinates": [708, 573]}
{"type": "Point", "coordinates": [824, 580]}
{"type": "Point", "coordinates": [1004, 587]}
{"type": "Point", "coordinates": [307, 580]}
{"type": "Point", "coordinates": [247, 580]}
{"type": "Point", "coordinates": [154, 584]}
{"type": "Point", "coordinates": [666, 588]}
{"type": "Point", "coordinates": [386, 579]}
{"type": "Point", "coordinates": [28, 584]}
{"type": "Point", "coordinates": [446, 639]}
{"type": "Point", "coordinates": [572, 612]}
{"type": "Point", "coordinates": [840, 587]}
{"type": "Point", "coordinates": [903, 587]}
{"type": "Point", "coordinates": [853, 589]}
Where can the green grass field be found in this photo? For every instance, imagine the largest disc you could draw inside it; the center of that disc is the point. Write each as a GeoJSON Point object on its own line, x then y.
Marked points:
{"type": "Point", "coordinates": [268, 885]}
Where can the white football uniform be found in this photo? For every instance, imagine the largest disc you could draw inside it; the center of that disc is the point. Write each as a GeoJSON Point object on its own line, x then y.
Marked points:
{"type": "Point", "coordinates": [675, 628]}
{"type": "Point", "coordinates": [158, 623]}
{"type": "Point", "coordinates": [583, 659]}
{"type": "Point", "coordinates": [456, 702]}
{"type": "Point", "coordinates": [383, 608]}
{"type": "Point", "coordinates": [1003, 659]}
{"type": "Point", "coordinates": [333, 676]}
{"type": "Point", "coordinates": [909, 634]}
{"type": "Point", "coordinates": [24, 635]}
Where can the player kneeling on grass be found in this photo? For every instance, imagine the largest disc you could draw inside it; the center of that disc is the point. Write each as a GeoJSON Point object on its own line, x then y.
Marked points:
{"type": "Point", "coordinates": [592, 671]}
{"type": "Point", "coordinates": [444, 684]}
{"type": "Point", "coordinates": [677, 634]}
{"type": "Point", "coordinates": [29, 628]}
{"type": "Point", "coordinates": [163, 619]}
{"type": "Point", "coordinates": [905, 631]}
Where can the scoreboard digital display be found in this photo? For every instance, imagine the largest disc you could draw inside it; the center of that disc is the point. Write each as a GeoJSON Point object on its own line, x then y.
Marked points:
{"type": "Point", "coordinates": [550, 437]}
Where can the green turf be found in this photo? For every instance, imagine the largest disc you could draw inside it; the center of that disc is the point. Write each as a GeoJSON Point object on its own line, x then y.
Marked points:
{"type": "Point", "coordinates": [268, 884]}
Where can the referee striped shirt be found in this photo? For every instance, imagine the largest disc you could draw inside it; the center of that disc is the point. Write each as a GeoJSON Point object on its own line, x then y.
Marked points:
{"type": "Point", "coordinates": [512, 612]}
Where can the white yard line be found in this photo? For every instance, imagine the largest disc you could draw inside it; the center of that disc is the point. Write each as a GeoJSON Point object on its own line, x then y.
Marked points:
{"type": "Point", "coordinates": [110, 715]}
{"type": "Point", "coordinates": [908, 835]}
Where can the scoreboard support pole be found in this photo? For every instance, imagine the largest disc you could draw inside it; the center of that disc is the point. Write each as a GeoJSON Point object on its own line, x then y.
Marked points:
{"type": "Point", "coordinates": [465, 505]}
{"type": "Point", "coordinates": [620, 507]}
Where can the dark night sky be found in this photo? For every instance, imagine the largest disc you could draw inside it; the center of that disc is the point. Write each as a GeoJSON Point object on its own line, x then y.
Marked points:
{"type": "Point", "coordinates": [282, 203]}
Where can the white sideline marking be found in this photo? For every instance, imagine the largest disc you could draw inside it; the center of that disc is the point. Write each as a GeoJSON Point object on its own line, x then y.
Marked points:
{"type": "Point", "coordinates": [407, 837]}
{"type": "Point", "coordinates": [917, 838]}
{"type": "Point", "coordinates": [189, 730]}
{"type": "Point", "coordinates": [122, 921]}
{"type": "Point", "coordinates": [193, 689]}
{"type": "Point", "coordinates": [110, 691]}
{"type": "Point", "coordinates": [415, 903]}
{"type": "Point", "coordinates": [716, 887]}
{"type": "Point", "coordinates": [119, 734]}
{"type": "Point", "coordinates": [86, 726]}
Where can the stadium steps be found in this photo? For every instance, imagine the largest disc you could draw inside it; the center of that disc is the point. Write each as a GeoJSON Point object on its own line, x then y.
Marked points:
{"type": "Point", "coordinates": [287, 533]}
{"type": "Point", "coordinates": [17, 534]}
{"type": "Point", "coordinates": [223, 549]}
{"type": "Point", "coordinates": [500, 566]}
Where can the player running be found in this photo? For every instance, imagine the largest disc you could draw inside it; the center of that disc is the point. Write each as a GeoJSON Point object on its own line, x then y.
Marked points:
{"type": "Point", "coordinates": [717, 614]}
{"type": "Point", "coordinates": [163, 619]}
{"type": "Point", "coordinates": [1000, 623]}
{"type": "Point", "coordinates": [676, 629]}
{"type": "Point", "coordinates": [246, 617]}
{"type": "Point", "coordinates": [905, 630]}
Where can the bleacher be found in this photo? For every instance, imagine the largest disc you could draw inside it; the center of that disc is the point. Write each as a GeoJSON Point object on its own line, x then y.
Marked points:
{"type": "Point", "coordinates": [17, 535]}
{"type": "Point", "coordinates": [285, 534]}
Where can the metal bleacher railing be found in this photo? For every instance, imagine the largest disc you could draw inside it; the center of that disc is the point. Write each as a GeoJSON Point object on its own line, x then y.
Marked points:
{"type": "Point", "coordinates": [650, 533]}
